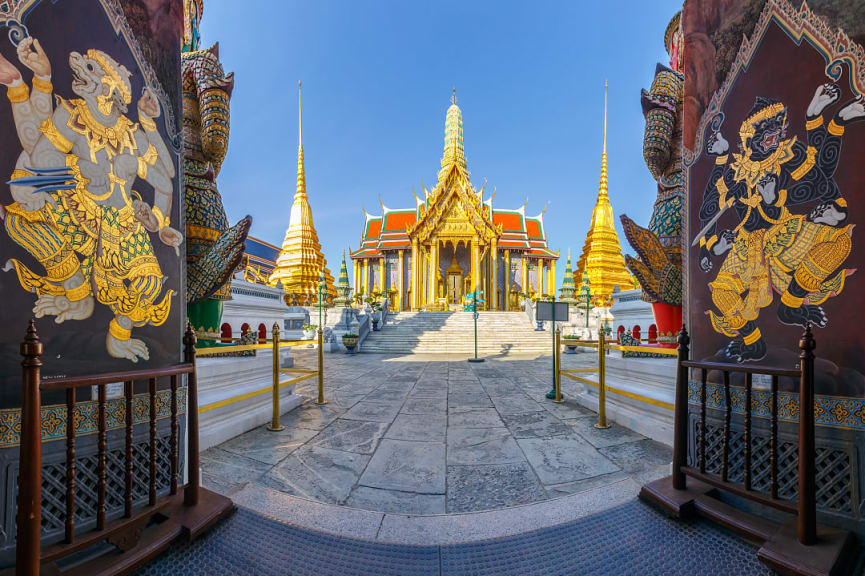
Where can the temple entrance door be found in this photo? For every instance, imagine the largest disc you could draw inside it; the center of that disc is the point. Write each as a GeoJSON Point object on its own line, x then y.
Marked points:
{"type": "Point", "coordinates": [455, 281]}
{"type": "Point", "coordinates": [455, 292]}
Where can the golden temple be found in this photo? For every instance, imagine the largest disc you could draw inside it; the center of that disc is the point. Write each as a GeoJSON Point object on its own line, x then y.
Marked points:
{"type": "Point", "coordinates": [602, 259]}
{"type": "Point", "coordinates": [452, 243]}
{"type": "Point", "coordinates": [301, 261]}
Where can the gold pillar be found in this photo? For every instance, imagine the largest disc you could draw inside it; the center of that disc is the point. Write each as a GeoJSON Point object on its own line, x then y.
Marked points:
{"type": "Point", "coordinates": [553, 276]}
{"type": "Point", "coordinates": [494, 275]}
{"type": "Point", "coordinates": [365, 273]}
{"type": "Point", "coordinates": [524, 273]}
{"type": "Point", "coordinates": [414, 281]}
{"type": "Point", "coordinates": [475, 271]}
{"type": "Point", "coordinates": [381, 276]}
{"type": "Point", "coordinates": [401, 272]}
{"type": "Point", "coordinates": [507, 280]}
{"type": "Point", "coordinates": [434, 270]}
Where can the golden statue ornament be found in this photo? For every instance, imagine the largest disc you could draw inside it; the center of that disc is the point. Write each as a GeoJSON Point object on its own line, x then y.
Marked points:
{"type": "Point", "coordinates": [75, 211]}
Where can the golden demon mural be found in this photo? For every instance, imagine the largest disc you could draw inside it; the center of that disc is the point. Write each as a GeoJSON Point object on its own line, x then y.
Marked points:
{"type": "Point", "coordinates": [773, 249]}
{"type": "Point", "coordinates": [75, 210]}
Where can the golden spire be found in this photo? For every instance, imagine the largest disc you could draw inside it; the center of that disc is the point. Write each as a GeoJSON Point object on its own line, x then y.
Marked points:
{"type": "Point", "coordinates": [453, 151]}
{"type": "Point", "coordinates": [602, 258]}
{"type": "Point", "coordinates": [301, 170]}
{"type": "Point", "coordinates": [301, 261]}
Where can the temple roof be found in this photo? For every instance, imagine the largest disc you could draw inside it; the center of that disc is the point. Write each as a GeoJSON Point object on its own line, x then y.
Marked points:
{"type": "Point", "coordinates": [394, 228]}
{"type": "Point", "coordinates": [602, 258]}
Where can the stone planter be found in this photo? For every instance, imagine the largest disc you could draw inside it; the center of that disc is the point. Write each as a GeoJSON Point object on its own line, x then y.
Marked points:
{"type": "Point", "coordinates": [572, 347]}
{"type": "Point", "coordinates": [376, 318]}
{"type": "Point", "coordinates": [350, 343]}
{"type": "Point", "coordinates": [309, 334]}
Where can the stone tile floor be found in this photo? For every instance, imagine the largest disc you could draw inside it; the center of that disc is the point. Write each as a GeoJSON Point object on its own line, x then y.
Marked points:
{"type": "Point", "coordinates": [434, 435]}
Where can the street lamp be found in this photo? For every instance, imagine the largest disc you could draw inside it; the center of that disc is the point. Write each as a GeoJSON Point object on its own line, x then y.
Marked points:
{"type": "Point", "coordinates": [322, 286]}
{"type": "Point", "coordinates": [475, 316]}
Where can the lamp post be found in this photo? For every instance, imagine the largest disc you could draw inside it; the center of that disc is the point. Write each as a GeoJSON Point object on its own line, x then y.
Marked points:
{"type": "Point", "coordinates": [322, 286]}
{"type": "Point", "coordinates": [475, 316]}
{"type": "Point", "coordinates": [587, 294]}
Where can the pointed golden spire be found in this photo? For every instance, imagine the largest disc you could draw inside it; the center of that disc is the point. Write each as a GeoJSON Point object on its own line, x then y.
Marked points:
{"type": "Point", "coordinates": [301, 261]}
{"type": "Point", "coordinates": [453, 151]}
{"type": "Point", "coordinates": [301, 170]}
{"type": "Point", "coordinates": [602, 259]}
{"type": "Point", "coordinates": [602, 187]}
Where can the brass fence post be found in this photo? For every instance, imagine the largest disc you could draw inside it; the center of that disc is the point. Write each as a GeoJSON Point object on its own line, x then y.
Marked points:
{"type": "Point", "coordinates": [680, 419]}
{"type": "Point", "coordinates": [275, 426]}
{"type": "Point", "coordinates": [321, 399]}
{"type": "Point", "coordinates": [602, 391]}
{"type": "Point", "coordinates": [558, 353]}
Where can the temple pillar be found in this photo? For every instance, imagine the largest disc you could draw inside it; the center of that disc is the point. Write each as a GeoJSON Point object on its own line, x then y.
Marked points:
{"type": "Point", "coordinates": [381, 276]}
{"type": "Point", "coordinates": [507, 280]}
{"type": "Point", "coordinates": [400, 266]}
{"type": "Point", "coordinates": [494, 274]}
{"type": "Point", "coordinates": [365, 276]}
{"type": "Point", "coordinates": [553, 276]}
{"type": "Point", "coordinates": [474, 266]}
{"type": "Point", "coordinates": [524, 273]}
{"type": "Point", "coordinates": [414, 275]}
{"type": "Point", "coordinates": [434, 270]}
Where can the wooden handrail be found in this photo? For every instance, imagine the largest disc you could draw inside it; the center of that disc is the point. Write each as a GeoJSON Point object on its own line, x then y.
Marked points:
{"type": "Point", "coordinates": [806, 507]}
{"type": "Point", "coordinates": [28, 556]}
{"type": "Point", "coordinates": [111, 377]}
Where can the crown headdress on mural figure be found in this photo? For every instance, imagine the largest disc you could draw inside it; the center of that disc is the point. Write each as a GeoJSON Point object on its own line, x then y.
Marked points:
{"type": "Point", "coordinates": [602, 259]}
{"type": "Point", "coordinates": [116, 78]}
{"type": "Point", "coordinates": [192, 12]}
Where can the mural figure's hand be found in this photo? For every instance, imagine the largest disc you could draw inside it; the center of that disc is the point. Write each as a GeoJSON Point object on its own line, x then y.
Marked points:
{"type": "Point", "coordinates": [853, 110]}
{"type": "Point", "coordinates": [30, 54]}
{"type": "Point", "coordinates": [828, 213]}
{"type": "Point", "coordinates": [716, 145]}
{"type": "Point", "coordinates": [825, 95]}
{"type": "Point", "coordinates": [144, 214]}
{"type": "Point", "coordinates": [766, 188]}
{"type": "Point", "coordinates": [725, 243]}
{"type": "Point", "coordinates": [148, 105]}
{"type": "Point", "coordinates": [705, 259]}
{"type": "Point", "coordinates": [171, 237]}
{"type": "Point", "coordinates": [8, 72]}
{"type": "Point", "coordinates": [34, 201]}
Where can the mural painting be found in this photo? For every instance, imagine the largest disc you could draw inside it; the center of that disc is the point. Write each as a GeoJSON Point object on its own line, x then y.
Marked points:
{"type": "Point", "coordinates": [775, 194]}
{"type": "Point", "coordinates": [92, 243]}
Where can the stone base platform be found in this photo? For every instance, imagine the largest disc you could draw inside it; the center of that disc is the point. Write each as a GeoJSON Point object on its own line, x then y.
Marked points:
{"type": "Point", "coordinates": [220, 380]}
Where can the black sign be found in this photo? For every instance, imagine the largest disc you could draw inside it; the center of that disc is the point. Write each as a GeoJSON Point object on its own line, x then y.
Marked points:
{"type": "Point", "coordinates": [552, 311]}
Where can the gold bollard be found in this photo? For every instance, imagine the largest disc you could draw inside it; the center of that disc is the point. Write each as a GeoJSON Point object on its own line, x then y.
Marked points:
{"type": "Point", "coordinates": [275, 426]}
{"type": "Point", "coordinates": [321, 399]}
{"type": "Point", "coordinates": [559, 397]}
{"type": "Point", "coordinates": [602, 390]}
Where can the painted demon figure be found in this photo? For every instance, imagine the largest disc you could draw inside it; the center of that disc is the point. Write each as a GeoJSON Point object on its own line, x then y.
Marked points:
{"type": "Point", "coordinates": [771, 249]}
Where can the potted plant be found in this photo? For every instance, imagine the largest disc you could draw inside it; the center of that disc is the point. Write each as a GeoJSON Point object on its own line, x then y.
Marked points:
{"type": "Point", "coordinates": [571, 342]}
{"type": "Point", "coordinates": [309, 331]}
{"type": "Point", "coordinates": [350, 342]}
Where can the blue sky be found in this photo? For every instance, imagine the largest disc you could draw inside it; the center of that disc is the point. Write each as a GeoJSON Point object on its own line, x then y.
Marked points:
{"type": "Point", "coordinates": [377, 79]}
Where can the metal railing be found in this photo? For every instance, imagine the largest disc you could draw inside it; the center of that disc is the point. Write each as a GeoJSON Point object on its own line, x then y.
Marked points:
{"type": "Point", "coordinates": [277, 384]}
{"type": "Point", "coordinates": [603, 348]}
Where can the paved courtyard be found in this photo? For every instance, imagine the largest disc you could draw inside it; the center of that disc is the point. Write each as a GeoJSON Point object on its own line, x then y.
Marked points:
{"type": "Point", "coordinates": [434, 435]}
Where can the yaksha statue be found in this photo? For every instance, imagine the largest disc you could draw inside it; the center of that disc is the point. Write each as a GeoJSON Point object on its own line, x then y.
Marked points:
{"type": "Point", "coordinates": [213, 250]}
{"type": "Point", "coordinates": [75, 211]}
{"type": "Point", "coordinates": [659, 265]}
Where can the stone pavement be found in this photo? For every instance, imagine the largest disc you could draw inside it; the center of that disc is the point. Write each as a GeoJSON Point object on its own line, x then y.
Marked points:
{"type": "Point", "coordinates": [433, 435]}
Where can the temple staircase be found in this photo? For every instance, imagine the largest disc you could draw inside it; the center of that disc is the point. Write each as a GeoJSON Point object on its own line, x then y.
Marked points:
{"type": "Point", "coordinates": [499, 333]}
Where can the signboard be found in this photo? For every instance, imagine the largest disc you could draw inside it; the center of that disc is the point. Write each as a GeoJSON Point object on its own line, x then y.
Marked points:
{"type": "Point", "coordinates": [552, 311]}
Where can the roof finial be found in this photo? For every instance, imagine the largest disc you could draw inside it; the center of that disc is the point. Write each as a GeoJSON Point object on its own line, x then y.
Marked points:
{"type": "Point", "coordinates": [299, 116]}
{"type": "Point", "coordinates": [605, 116]}
{"type": "Point", "coordinates": [454, 97]}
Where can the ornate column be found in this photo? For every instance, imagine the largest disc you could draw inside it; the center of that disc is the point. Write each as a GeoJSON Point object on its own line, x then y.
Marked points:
{"type": "Point", "coordinates": [414, 275]}
{"type": "Point", "coordinates": [553, 276]}
{"type": "Point", "coordinates": [524, 273]}
{"type": "Point", "coordinates": [494, 274]}
{"type": "Point", "coordinates": [474, 266]}
{"type": "Point", "coordinates": [400, 267]}
{"type": "Point", "coordinates": [507, 280]}
{"type": "Point", "coordinates": [381, 275]}
{"type": "Point", "coordinates": [365, 276]}
{"type": "Point", "coordinates": [434, 269]}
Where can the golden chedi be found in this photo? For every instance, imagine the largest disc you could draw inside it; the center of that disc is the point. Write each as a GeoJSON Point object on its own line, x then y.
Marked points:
{"type": "Point", "coordinates": [602, 259]}
{"type": "Point", "coordinates": [301, 261]}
